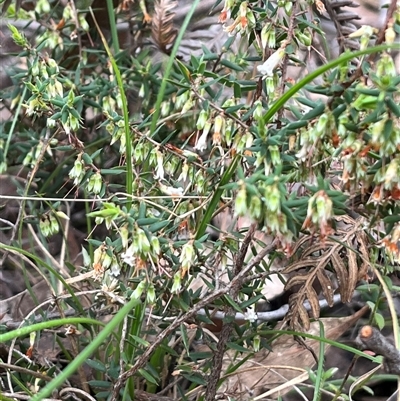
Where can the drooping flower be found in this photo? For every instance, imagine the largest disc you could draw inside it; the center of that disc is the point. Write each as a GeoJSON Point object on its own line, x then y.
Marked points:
{"type": "Point", "coordinates": [201, 143]}
{"type": "Point", "coordinates": [159, 175]}
{"type": "Point", "coordinates": [267, 69]}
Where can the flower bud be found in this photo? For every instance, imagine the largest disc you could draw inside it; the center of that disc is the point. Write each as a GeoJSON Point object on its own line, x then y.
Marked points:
{"type": "Point", "coordinates": [265, 32]}
{"type": "Point", "coordinates": [385, 66]}
{"type": "Point", "coordinates": [200, 182]}
{"type": "Point", "coordinates": [219, 124]}
{"type": "Point", "coordinates": [187, 106]}
{"type": "Point", "coordinates": [184, 173]}
{"type": "Point", "coordinates": [124, 234]}
{"type": "Point", "coordinates": [187, 257]}
{"type": "Point", "coordinates": [322, 124]}
{"type": "Point", "coordinates": [35, 69]}
{"type": "Point", "coordinates": [83, 23]}
{"type": "Point", "coordinates": [275, 154]}
{"type": "Point", "coordinates": [241, 202]}
{"type": "Point", "coordinates": [272, 197]}
{"type": "Point", "coordinates": [142, 240]}
{"type": "Point", "coordinates": [155, 246]}
{"type": "Point", "coordinates": [304, 37]}
{"type": "Point", "coordinates": [258, 110]}
{"type": "Point", "coordinates": [44, 225]}
{"type": "Point", "coordinates": [141, 92]}
{"type": "Point", "coordinates": [324, 206]}
{"type": "Point", "coordinates": [77, 172]}
{"type": "Point", "coordinates": [392, 174]}
{"type": "Point", "coordinates": [256, 343]}
{"type": "Point", "coordinates": [150, 294]}
{"type": "Point", "coordinates": [137, 293]}
{"type": "Point", "coordinates": [67, 12]}
{"type": "Point", "coordinates": [390, 34]}
{"type": "Point", "coordinates": [201, 143]}
{"type": "Point", "coordinates": [165, 109]}
{"type": "Point", "coordinates": [54, 226]}
{"type": "Point", "coordinates": [377, 130]}
{"type": "Point", "coordinates": [176, 286]}
{"type": "Point", "coordinates": [202, 119]}
{"type": "Point", "coordinates": [95, 183]}
{"type": "Point", "coordinates": [270, 85]}
{"type": "Point", "coordinates": [159, 173]}
{"type": "Point", "coordinates": [255, 207]}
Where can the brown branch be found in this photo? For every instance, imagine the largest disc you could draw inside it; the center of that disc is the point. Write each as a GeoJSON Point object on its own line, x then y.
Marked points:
{"type": "Point", "coordinates": [372, 339]}
{"type": "Point", "coordinates": [289, 39]}
{"type": "Point", "coordinates": [219, 109]}
{"type": "Point", "coordinates": [144, 396]}
{"type": "Point", "coordinates": [228, 326]}
{"type": "Point", "coordinates": [26, 371]}
{"type": "Point", "coordinates": [389, 15]}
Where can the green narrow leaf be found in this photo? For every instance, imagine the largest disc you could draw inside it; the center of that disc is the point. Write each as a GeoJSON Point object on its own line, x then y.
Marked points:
{"type": "Point", "coordinates": [185, 338]}
{"type": "Point", "coordinates": [96, 365]}
{"type": "Point", "coordinates": [184, 70]}
{"type": "Point", "coordinates": [231, 65]}
{"type": "Point", "coordinates": [237, 347]}
{"type": "Point", "coordinates": [147, 376]}
{"type": "Point", "coordinates": [232, 303]}
{"type": "Point", "coordinates": [212, 206]}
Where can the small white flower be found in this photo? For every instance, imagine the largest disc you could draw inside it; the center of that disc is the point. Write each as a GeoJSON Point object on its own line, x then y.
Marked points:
{"type": "Point", "coordinates": [250, 315]}
{"type": "Point", "coordinates": [129, 256]}
{"type": "Point", "coordinates": [159, 175]}
{"type": "Point", "coordinates": [171, 190]}
{"type": "Point", "coordinates": [201, 144]}
{"type": "Point", "coordinates": [115, 269]}
{"type": "Point", "coordinates": [267, 69]}
{"type": "Point", "coordinates": [184, 174]}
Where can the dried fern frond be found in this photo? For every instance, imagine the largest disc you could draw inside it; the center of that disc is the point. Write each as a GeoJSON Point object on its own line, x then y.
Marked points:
{"type": "Point", "coordinates": [163, 31]}
{"type": "Point", "coordinates": [332, 265]}
{"type": "Point", "coordinates": [345, 21]}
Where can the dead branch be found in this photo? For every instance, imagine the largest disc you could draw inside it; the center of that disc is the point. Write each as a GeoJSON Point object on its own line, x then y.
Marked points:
{"type": "Point", "coordinates": [372, 339]}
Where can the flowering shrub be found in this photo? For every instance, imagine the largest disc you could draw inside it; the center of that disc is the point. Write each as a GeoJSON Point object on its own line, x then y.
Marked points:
{"type": "Point", "coordinates": [157, 151]}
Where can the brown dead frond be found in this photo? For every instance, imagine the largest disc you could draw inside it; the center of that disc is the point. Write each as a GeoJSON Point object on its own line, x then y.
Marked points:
{"type": "Point", "coordinates": [337, 265]}
{"type": "Point", "coordinates": [163, 31]}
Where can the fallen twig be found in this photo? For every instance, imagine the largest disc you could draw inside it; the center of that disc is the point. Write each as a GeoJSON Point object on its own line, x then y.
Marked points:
{"type": "Point", "coordinates": [372, 339]}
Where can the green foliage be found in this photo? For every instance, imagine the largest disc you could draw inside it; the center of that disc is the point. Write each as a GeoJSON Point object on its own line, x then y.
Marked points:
{"type": "Point", "coordinates": [158, 150]}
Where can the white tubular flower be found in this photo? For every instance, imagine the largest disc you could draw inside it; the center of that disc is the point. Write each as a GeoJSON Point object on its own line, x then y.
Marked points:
{"type": "Point", "coordinates": [129, 257]}
{"type": "Point", "coordinates": [364, 30]}
{"type": "Point", "coordinates": [159, 175]}
{"type": "Point", "coordinates": [267, 69]}
{"type": "Point", "coordinates": [201, 144]}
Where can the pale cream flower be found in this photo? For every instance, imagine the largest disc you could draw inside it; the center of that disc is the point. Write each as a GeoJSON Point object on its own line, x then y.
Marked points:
{"type": "Point", "coordinates": [267, 69]}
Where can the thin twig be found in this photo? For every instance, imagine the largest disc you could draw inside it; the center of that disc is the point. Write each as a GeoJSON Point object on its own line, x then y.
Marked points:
{"type": "Point", "coordinates": [78, 391]}
{"type": "Point", "coordinates": [271, 315]}
{"type": "Point", "coordinates": [219, 109]}
{"type": "Point", "coordinates": [290, 35]}
{"type": "Point", "coordinates": [26, 371]}
{"type": "Point", "coordinates": [227, 327]}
